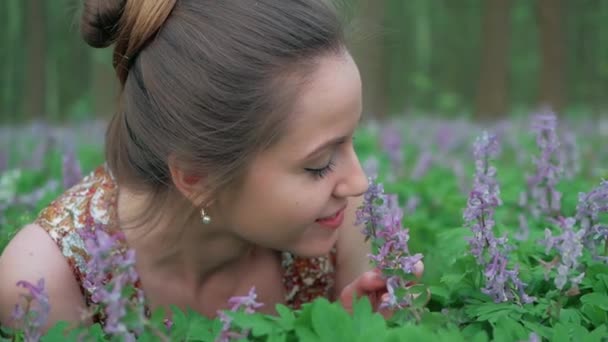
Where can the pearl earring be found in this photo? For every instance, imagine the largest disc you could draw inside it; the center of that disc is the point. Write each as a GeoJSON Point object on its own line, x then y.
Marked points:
{"type": "Point", "coordinates": [205, 219]}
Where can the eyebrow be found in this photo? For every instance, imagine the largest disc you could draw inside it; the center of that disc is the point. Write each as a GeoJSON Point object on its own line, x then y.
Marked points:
{"type": "Point", "coordinates": [331, 142]}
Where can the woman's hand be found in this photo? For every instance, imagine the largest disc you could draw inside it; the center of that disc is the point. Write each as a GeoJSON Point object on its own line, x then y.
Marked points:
{"type": "Point", "coordinates": [373, 285]}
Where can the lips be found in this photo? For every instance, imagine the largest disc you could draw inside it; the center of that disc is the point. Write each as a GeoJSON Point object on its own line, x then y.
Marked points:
{"type": "Point", "coordinates": [334, 221]}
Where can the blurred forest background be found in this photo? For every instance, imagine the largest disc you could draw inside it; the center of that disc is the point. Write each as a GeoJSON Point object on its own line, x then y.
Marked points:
{"type": "Point", "coordinates": [483, 59]}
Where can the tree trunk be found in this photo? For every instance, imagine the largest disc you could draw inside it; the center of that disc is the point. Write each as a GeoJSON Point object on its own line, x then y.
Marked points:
{"type": "Point", "coordinates": [35, 80]}
{"type": "Point", "coordinates": [370, 54]}
{"type": "Point", "coordinates": [552, 55]}
{"type": "Point", "coordinates": [34, 101]}
{"type": "Point", "coordinates": [492, 94]}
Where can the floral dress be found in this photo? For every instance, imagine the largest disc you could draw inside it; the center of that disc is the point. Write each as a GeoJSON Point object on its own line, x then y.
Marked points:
{"type": "Point", "coordinates": [91, 204]}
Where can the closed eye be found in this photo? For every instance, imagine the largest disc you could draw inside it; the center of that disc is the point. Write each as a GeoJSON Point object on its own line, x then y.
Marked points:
{"type": "Point", "coordinates": [322, 172]}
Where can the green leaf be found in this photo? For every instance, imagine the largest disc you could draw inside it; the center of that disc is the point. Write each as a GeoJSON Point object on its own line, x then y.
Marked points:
{"type": "Point", "coordinates": [203, 328]}
{"type": "Point", "coordinates": [596, 299]}
{"type": "Point", "coordinates": [180, 327]}
{"type": "Point", "coordinates": [597, 335]}
{"type": "Point", "coordinates": [258, 323]}
{"type": "Point", "coordinates": [329, 322]}
{"type": "Point", "coordinates": [541, 330]}
{"type": "Point", "coordinates": [440, 293]}
{"type": "Point", "coordinates": [561, 333]}
{"type": "Point", "coordinates": [279, 337]}
{"type": "Point", "coordinates": [570, 316]}
{"type": "Point", "coordinates": [56, 332]}
{"type": "Point", "coordinates": [287, 318]}
{"type": "Point", "coordinates": [362, 313]}
{"type": "Point", "coordinates": [596, 315]}
{"type": "Point", "coordinates": [492, 312]}
{"type": "Point", "coordinates": [507, 329]}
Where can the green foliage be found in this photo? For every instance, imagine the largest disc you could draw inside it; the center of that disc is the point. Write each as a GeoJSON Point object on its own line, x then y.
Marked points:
{"type": "Point", "coordinates": [457, 309]}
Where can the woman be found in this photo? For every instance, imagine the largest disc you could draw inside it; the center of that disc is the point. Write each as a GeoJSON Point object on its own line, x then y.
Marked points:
{"type": "Point", "coordinates": [229, 163]}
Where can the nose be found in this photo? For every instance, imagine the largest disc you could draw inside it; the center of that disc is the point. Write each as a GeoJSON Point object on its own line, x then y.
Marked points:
{"type": "Point", "coordinates": [354, 181]}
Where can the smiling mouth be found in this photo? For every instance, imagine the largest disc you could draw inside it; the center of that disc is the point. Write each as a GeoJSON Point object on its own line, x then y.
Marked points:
{"type": "Point", "coordinates": [334, 221]}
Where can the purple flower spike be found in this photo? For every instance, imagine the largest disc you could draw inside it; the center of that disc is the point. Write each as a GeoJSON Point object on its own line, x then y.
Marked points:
{"type": "Point", "coordinates": [542, 193]}
{"type": "Point", "coordinates": [422, 166]}
{"type": "Point", "coordinates": [370, 215]}
{"type": "Point", "coordinates": [490, 252]}
{"type": "Point", "coordinates": [569, 245]}
{"type": "Point", "coordinates": [391, 142]}
{"type": "Point", "coordinates": [106, 258]}
{"type": "Point", "coordinates": [590, 206]}
{"type": "Point", "coordinates": [34, 318]}
{"type": "Point", "coordinates": [71, 169]}
{"type": "Point", "coordinates": [382, 218]}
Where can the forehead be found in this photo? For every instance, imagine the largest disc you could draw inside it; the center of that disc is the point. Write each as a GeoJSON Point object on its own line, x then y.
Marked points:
{"type": "Point", "coordinates": [329, 103]}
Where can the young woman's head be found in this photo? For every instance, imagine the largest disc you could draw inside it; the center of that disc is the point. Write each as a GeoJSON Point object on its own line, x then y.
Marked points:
{"type": "Point", "coordinates": [223, 101]}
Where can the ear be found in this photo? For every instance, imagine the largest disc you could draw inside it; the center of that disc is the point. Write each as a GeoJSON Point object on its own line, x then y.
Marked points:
{"type": "Point", "coordinates": [190, 184]}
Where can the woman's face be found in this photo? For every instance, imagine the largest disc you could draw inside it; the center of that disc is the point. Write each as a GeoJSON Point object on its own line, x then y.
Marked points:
{"type": "Point", "coordinates": [309, 174]}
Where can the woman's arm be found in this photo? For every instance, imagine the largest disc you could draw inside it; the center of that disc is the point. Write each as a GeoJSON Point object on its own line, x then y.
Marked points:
{"type": "Point", "coordinates": [32, 255]}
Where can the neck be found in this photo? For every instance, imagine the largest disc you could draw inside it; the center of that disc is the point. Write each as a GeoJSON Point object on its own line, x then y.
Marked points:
{"type": "Point", "coordinates": [182, 248]}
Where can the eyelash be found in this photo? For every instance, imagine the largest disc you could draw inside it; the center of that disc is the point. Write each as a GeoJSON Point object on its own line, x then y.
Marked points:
{"type": "Point", "coordinates": [322, 172]}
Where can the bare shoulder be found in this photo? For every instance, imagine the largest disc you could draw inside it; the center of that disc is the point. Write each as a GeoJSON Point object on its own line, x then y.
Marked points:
{"type": "Point", "coordinates": [32, 255]}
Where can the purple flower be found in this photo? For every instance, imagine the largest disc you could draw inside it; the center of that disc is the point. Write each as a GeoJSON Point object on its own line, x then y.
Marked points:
{"type": "Point", "coordinates": [569, 246]}
{"type": "Point", "coordinates": [371, 213]}
{"type": "Point", "coordinates": [422, 166]}
{"type": "Point", "coordinates": [542, 190]}
{"type": "Point", "coordinates": [392, 144]}
{"type": "Point", "coordinates": [382, 218]}
{"type": "Point", "coordinates": [590, 206]}
{"type": "Point", "coordinates": [109, 292]}
{"type": "Point", "coordinates": [490, 252]}
{"type": "Point", "coordinates": [394, 302]}
{"type": "Point", "coordinates": [35, 315]}
{"type": "Point", "coordinates": [534, 338]}
{"type": "Point", "coordinates": [570, 156]}
{"type": "Point", "coordinates": [246, 303]}
{"type": "Point", "coordinates": [71, 169]}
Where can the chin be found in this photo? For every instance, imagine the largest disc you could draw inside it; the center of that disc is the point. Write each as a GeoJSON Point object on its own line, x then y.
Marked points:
{"type": "Point", "coordinates": [312, 249]}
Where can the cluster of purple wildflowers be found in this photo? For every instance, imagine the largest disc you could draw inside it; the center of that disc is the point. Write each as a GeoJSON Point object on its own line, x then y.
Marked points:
{"type": "Point", "coordinates": [490, 252]}
{"type": "Point", "coordinates": [569, 245]}
{"type": "Point", "coordinates": [588, 210]}
{"type": "Point", "coordinates": [72, 173]}
{"type": "Point", "coordinates": [32, 317]}
{"type": "Point", "coordinates": [570, 155]}
{"type": "Point", "coordinates": [381, 218]}
{"type": "Point", "coordinates": [246, 303]}
{"type": "Point", "coordinates": [423, 164]}
{"type": "Point", "coordinates": [109, 292]}
{"type": "Point", "coordinates": [392, 143]}
{"type": "Point", "coordinates": [542, 196]}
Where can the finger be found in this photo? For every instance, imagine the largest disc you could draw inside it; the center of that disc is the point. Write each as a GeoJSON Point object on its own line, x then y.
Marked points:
{"type": "Point", "coordinates": [370, 281]}
{"type": "Point", "coordinates": [418, 269]}
{"type": "Point", "coordinates": [386, 312]}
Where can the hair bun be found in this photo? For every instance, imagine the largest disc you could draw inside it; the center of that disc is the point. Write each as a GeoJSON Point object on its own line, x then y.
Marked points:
{"type": "Point", "coordinates": [99, 21]}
